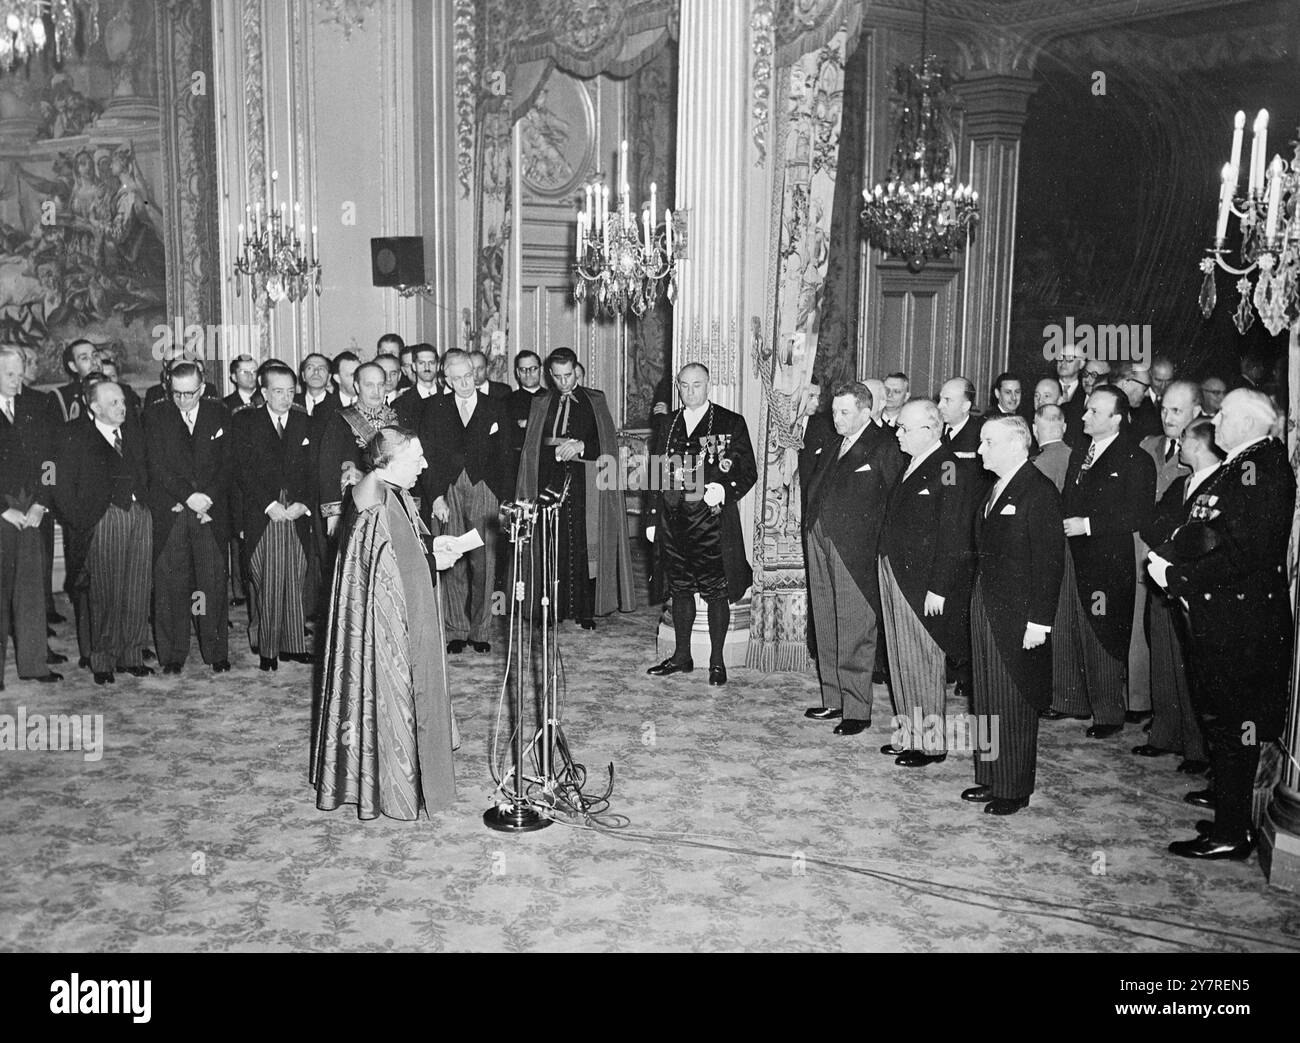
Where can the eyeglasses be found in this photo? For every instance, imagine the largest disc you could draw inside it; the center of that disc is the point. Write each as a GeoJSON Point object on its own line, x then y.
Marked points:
{"type": "Point", "coordinates": [918, 427]}
{"type": "Point", "coordinates": [187, 394]}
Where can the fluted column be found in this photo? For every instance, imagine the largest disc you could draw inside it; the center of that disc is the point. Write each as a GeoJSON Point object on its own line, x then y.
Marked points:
{"type": "Point", "coordinates": [995, 114]}
{"type": "Point", "coordinates": [725, 194]}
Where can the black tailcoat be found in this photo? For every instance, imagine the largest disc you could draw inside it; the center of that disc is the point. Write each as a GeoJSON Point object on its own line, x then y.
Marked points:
{"type": "Point", "coordinates": [181, 464]}
{"type": "Point", "coordinates": [267, 469]}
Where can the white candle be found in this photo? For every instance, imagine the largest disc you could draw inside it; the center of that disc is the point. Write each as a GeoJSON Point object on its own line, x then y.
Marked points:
{"type": "Point", "coordinates": [622, 169]}
{"type": "Point", "coordinates": [1258, 147]}
{"type": "Point", "coordinates": [313, 242]}
{"type": "Point", "coordinates": [1225, 203]}
{"type": "Point", "coordinates": [645, 220]}
{"type": "Point", "coordinates": [582, 217]}
{"type": "Point", "coordinates": [668, 232]}
{"type": "Point", "coordinates": [241, 235]}
{"type": "Point", "coordinates": [1238, 126]}
{"type": "Point", "coordinates": [654, 189]}
{"type": "Point", "coordinates": [604, 216]}
{"type": "Point", "coordinates": [1274, 199]}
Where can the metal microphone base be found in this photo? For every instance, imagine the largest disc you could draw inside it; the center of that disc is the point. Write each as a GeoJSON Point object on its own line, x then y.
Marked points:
{"type": "Point", "coordinates": [515, 818]}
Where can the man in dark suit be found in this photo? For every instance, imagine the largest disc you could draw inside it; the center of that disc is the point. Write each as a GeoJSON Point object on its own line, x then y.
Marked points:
{"type": "Point", "coordinates": [1109, 495]}
{"type": "Point", "coordinates": [846, 505]}
{"type": "Point", "coordinates": [1074, 396]}
{"type": "Point", "coordinates": [492, 388]}
{"type": "Point", "coordinates": [925, 569]}
{"type": "Point", "coordinates": [274, 484]}
{"type": "Point", "coordinates": [1020, 555]}
{"type": "Point", "coordinates": [100, 494]}
{"type": "Point", "coordinates": [317, 397]}
{"type": "Point", "coordinates": [462, 489]}
{"type": "Point", "coordinates": [243, 375]}
{"type": "Point", "coordinates": [159, 392]}
{"type": "Point", "coordinates": [1175, 725]}
{"type": "Point", "coordinates": [80, 358]}
{"type": "Point", "coordinates": [109, 367]}
{"type": "Point", "coordinates": [709, 460]}
{"type": "Point", "coordinates": [961, 431]}
{"type": "Point", "coordinates": [1227, 566]}
{"type": "Point", "coordinates": [28, 439]}
{"type": "Point", "coordinates": [1144, 413]}
{"type": "Point", "coordinates": [189, 478]}
{"type": "Point", "coordinates": [409, 405]}
{"type": "Point", "coordinates": [343, 436]}
{"type": "Point", "coordinates": [1008, 398]}
{"type": "Point", "coordinates": [528, 375]}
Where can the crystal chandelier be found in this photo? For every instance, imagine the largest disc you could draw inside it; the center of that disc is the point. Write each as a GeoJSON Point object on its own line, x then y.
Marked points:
{"type": "Point", "coordinates": [919, 214]}
{"type": "Point", "coordinates": [623, 264]}
{"type": "Point", "coordinates": [1270, 233]}
{"type": "Point", "coordinates": [24, 27]}
{"type": "Point", "coordinates": [274, 256]}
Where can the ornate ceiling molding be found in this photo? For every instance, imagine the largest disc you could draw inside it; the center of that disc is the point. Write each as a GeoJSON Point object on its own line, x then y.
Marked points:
{"type": "Point", "coordinates": [1226, 48]}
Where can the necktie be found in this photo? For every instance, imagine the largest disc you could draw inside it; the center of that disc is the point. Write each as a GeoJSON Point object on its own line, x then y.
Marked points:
{"type": "Point", "coordinates": [1087, 461]}
{"type": "Point", "coordinates": [279, 427]}
{"type": "Point", "coordinates": [189, 420]}
{"type": "Point", "coordinates": [463, 405]}
{"type": "Point", "coordinates": [993, 498]}
{"type": "Point", "coordinates": [845, 446]}
{"type": "Point", "coordinates": [117, 440]}
{"type": "Point", "coordinates": [1171, 449]}
{"type": "Point", "coordinates": [8, 404]}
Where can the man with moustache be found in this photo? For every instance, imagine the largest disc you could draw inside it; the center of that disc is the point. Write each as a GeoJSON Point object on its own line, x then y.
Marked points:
{"type": "Point", "coordinates": [1020, 558]}
{"type": "Point", "coordinates": [28, 439]}
{"type": "Point", "coordinates": [1109, 495]}
{"type": "Point", "coordinates": [711, 466]}
{"type": "Point", "coordinates": [1227, 565]}
{"type": "Point", "coordinates": [846, 506]}
{"type": "Point", "coordinates": [272, 449]}
{"type": "Point", "coordinates": [410, 403]}
{"type": "Point", "coordinates": [189, 479]}
{"type": "Point", "coordinates": [925, 568]}
{"type": "Point", "coordinates": [1180, 406]}
{"type": "Point", "coordinates": [80, 358]}
{"type": "Point", "coordinates": [101, 493]}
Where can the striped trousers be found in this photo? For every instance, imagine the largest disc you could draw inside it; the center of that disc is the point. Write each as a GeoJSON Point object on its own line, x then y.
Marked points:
{"type": "Point", "coordinates": [1069, 682]}
{"type": "Point", "coordinates": [1102, 695]}
{"type": "Point", "coordinates": [469, 583]}
{"type": "Point", "coordinates": [916, 663]}
{"type": "Point", "coordinates": [1174, 724]}
{"type": "Point", "coordinates": [1139, 650]}
{"type": "Point", "coordinates": [846, 629]}
{"type": "Point", "coordinates": [1009, 768]}
{"type": "Point", "coordinates": [119, 562]}
{"type": "Point", "coordinates": [276, 574]}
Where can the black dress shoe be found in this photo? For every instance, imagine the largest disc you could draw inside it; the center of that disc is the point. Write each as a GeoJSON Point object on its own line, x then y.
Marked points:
{"type": "Point", "coordinates": [587, 624]}
{"type": "Point", "coordinates": [173, 668]}
{"type": "Point", "coordinates": [265, 663]}
{"type": "Point", "coordinates": [297, 657]}
{"type": "Point", "coordinates": [889, 750]}
{"type": "Point", "coordinates": [140, 671]}
{"type": "Point", "coordinates": [851, 726]}
{"type": "Point", "coordinates": [221, 666]}
{"type": "Point", "coordinates": [1205, 826]}
{"type": "Point", "coordinates": [1136, 716]}
{"type": "Point", "coordinates": [917, 759]}
{"type": "Point", "coordinates": [717, 675]}
{"type": "Point", "coordinates": [823, 713]}
{"type": "Point", "coordinates": [456, 647]}
{"type": "Point", "coordinates": [672, 666]}
{"type": "Point", "coordinates": [84, 662]}
{"type": "Point", "coordinates": [480, 646]}
{"type": "Point", "coordinates": [1059, 715]}
{"type": "Point", "coordinates": [54, 617]}
{"type": "Point", "coordinates": [1005, 805]}
{"type": "Point", "coordinates": [104, 677]}
{"type": "Point", "coordinates": [977, 794]}
{"type": "Point", "coordinates": [54, 658]}
{"type": "Point", "coordinates": [49, 678]}
{"type": "Point", "coordinates": [1103, 731]}
{"type": "Point", "coordinates": [1205, 848]}
{"type": "Point", "coordinates": [1190, 767]}
{"type": "Point", "coordinates": [1200, 798]}
{"type": "Point", "coordinates": [1147, 750]}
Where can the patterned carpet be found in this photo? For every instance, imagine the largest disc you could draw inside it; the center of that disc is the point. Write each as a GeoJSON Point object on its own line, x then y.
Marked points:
{"type": "Point", "coordinates": [750, 828]}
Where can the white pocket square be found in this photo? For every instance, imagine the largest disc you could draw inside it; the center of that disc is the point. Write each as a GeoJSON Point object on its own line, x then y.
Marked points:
{"type": "Point", "coordinates": [220, 431]}
{"type": "Point", "coordinates": [493, 429]}
{"type": "Point", "coordinates": [1008, 509]}
{"type": "Point", "coordinates": [1114, 474]}
{"type": "Point", "coordinates": [924, 492]}
{"type": "Point", "coordinates": [305, 441]}
{"type": "Point", "coordinates": [864, 467]}
{"type": "Point", "coordinates": [818, 453]}
{"type": "Point", "coordinates": [964, 456]}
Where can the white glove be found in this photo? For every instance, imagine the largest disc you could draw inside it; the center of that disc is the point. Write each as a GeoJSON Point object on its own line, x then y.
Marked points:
{"type": "Point", "coordinates": [1158, 567]}
{"type": "Point", "coordinates": [650, 533]}
{"type": "Point", "coordinates": [714, 494]}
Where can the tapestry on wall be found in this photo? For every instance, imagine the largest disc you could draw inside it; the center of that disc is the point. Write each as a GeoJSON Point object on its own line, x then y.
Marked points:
{"type": "Point", "coordinates": [807, 154]}
{"type": "Point", "coordinates": [82, 240]}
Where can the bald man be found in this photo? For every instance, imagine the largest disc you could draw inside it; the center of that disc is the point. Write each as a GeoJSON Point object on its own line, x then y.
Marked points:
{"type": "Point", "coordinates": [1227, 566]}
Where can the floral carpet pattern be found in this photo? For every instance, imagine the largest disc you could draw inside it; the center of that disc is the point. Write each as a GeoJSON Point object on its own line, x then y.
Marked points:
{"type": "Point", "coordinates": [748, 827]}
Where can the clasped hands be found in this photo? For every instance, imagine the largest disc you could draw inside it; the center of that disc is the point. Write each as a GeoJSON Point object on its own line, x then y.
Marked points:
{"type": "Point", "coordinates": [279, 512]}
{"type": "Point", "coordinates": [443, 554]}
{"type": "Point", "coordinates": [28, 519]}
{"type": "Point", "coordinates": [570, 450]}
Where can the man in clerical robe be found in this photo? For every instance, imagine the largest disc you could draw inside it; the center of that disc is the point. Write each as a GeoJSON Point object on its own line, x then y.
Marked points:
{"type": "Point", "coordinates": [570, 431]}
